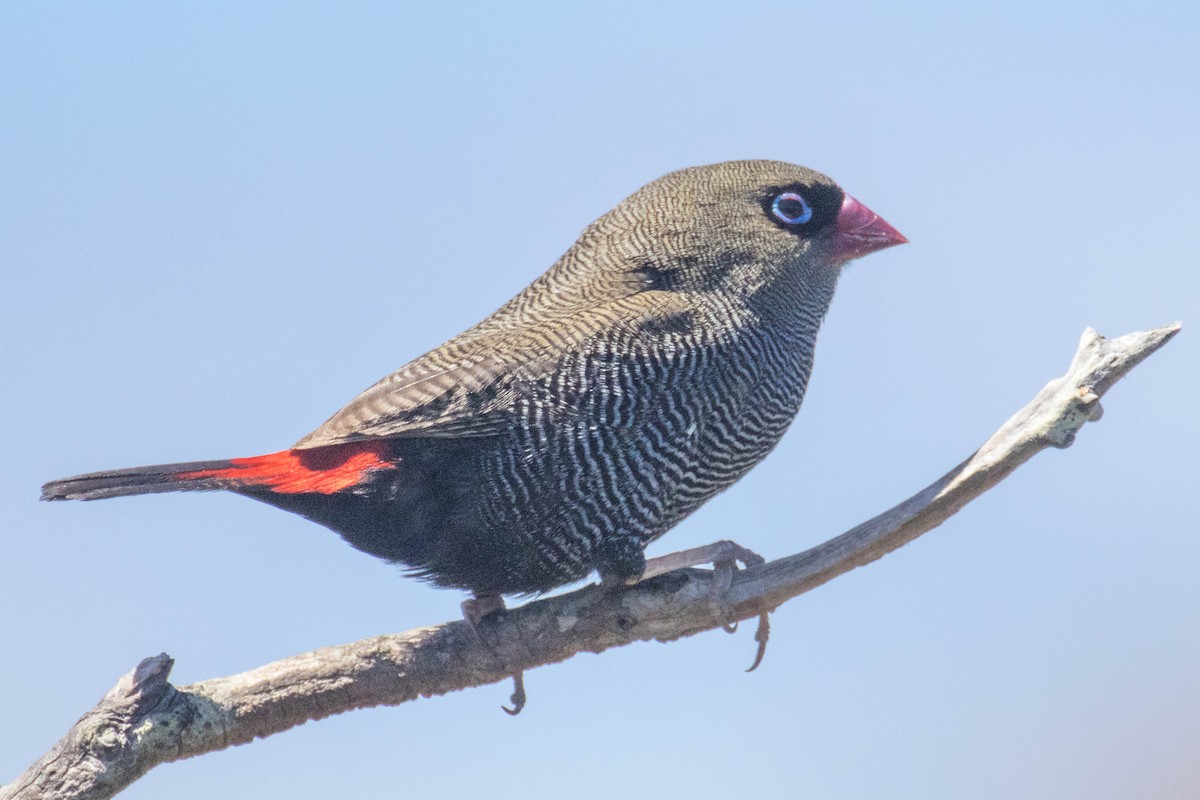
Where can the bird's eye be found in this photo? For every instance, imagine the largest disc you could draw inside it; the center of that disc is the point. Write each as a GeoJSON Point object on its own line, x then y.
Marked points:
{"type": "Point", "coordinates": [791, 209]}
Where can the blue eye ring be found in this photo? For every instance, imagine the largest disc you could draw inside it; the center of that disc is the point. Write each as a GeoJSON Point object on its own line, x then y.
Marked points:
{"type": "Point", "coordinates": [791, 209]}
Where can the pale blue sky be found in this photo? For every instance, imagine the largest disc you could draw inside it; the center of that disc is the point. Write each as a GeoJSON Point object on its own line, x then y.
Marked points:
{"type": "Point", "coordinates": [220, 221]}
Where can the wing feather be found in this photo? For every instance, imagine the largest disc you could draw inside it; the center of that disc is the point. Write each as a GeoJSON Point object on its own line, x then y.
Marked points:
{"type": "Point", "coordinates": [473, 385]}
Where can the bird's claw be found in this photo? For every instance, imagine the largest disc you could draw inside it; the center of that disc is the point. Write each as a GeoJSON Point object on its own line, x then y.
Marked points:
{"type": "Point", "coordinates": [474, 609]}
{"type": "Point", "coordinates": [722, 580]}
{"type": "Point", "coordinates": [724, 556]}
{"type": "Point", "coordinates": [518, 696]}
{"type": "Point", "coordinates": [761, 635]}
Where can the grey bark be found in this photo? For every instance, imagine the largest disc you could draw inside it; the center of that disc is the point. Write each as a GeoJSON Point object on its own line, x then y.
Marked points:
{"type": "Point", "coordinates": [145, 721]}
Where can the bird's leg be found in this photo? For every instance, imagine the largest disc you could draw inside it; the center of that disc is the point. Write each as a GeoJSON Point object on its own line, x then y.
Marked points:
{"type": "Point", "coordinates": [724, 556]}
{"type": "Point", "coordinates": [620, 560]}
{"type": "Point", "coordinates": [717, 553]}
{"type": "Point", "coordinates": [474, 610]}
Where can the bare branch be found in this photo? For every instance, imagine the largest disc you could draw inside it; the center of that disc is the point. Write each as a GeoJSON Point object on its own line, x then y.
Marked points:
{"type": "Point", "coordinates": [144, 721]}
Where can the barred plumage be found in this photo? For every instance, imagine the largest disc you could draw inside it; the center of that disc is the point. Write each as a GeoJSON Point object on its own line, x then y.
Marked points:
{"type": "Point", "coordinates": [652, 366]}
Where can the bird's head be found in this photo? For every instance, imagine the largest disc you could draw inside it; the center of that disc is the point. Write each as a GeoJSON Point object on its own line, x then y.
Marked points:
{"type": "Point", "coordinates": [739, 227]}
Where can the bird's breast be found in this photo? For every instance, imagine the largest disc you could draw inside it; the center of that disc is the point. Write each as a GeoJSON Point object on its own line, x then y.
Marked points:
{"type": "Point", "coordinates": [630, 439]}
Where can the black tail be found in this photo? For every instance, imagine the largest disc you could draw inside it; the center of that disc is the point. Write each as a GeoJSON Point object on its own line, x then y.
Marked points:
{"type": "Point", "coordinates": [192, 477]}
{"type": "Point", "coordinates": [319, 470]}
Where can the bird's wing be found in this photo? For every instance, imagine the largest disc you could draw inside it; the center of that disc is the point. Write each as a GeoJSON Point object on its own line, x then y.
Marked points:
{"type": "Point", "coordinates": [475, 395]}
{"type": "Point", "coordinates": [475, 387]}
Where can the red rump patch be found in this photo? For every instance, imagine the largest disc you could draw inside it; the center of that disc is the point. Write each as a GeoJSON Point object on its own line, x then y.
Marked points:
{"type": "Point", "coordinates": [323, 470]}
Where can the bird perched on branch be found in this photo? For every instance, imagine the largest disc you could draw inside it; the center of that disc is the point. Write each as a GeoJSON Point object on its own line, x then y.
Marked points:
{"type": "Point", "coordinates": [657, 361]}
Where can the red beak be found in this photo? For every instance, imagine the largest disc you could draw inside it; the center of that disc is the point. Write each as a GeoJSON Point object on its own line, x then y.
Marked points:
{"type": "Point", "coordinates": [859, 231]}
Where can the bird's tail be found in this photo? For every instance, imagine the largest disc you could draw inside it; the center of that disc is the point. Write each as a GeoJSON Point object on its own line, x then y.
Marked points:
{"type": "Point", "coordinates": [320, 470]}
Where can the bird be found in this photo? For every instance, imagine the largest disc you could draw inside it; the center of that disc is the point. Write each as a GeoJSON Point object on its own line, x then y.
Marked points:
{"type": "Point", "coordinates": [652, 366]}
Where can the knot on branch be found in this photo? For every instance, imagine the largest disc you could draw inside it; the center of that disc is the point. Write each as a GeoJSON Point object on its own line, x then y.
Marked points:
{"type": "Point", "coordinates": [1083, 408]}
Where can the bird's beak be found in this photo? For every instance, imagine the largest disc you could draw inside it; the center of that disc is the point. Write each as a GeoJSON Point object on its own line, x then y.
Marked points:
{"type": "Point", "coordinates": [858, 231]}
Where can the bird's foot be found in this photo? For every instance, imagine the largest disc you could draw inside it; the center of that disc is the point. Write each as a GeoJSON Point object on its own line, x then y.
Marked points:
{"type": "Point", "coordinates": [724, 556]}
{"type": "Point", "coordinates": [517, 698]}
{"type": "Point", "coordinates": [474, 610]}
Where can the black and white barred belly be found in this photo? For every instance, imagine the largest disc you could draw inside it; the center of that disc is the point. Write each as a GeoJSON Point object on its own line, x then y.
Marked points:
{"type": "Point", "coordinates": [623, 442]}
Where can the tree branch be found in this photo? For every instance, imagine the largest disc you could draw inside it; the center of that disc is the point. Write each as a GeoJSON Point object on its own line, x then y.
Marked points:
{"type": "Point", "coordinates": [145, 721]}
